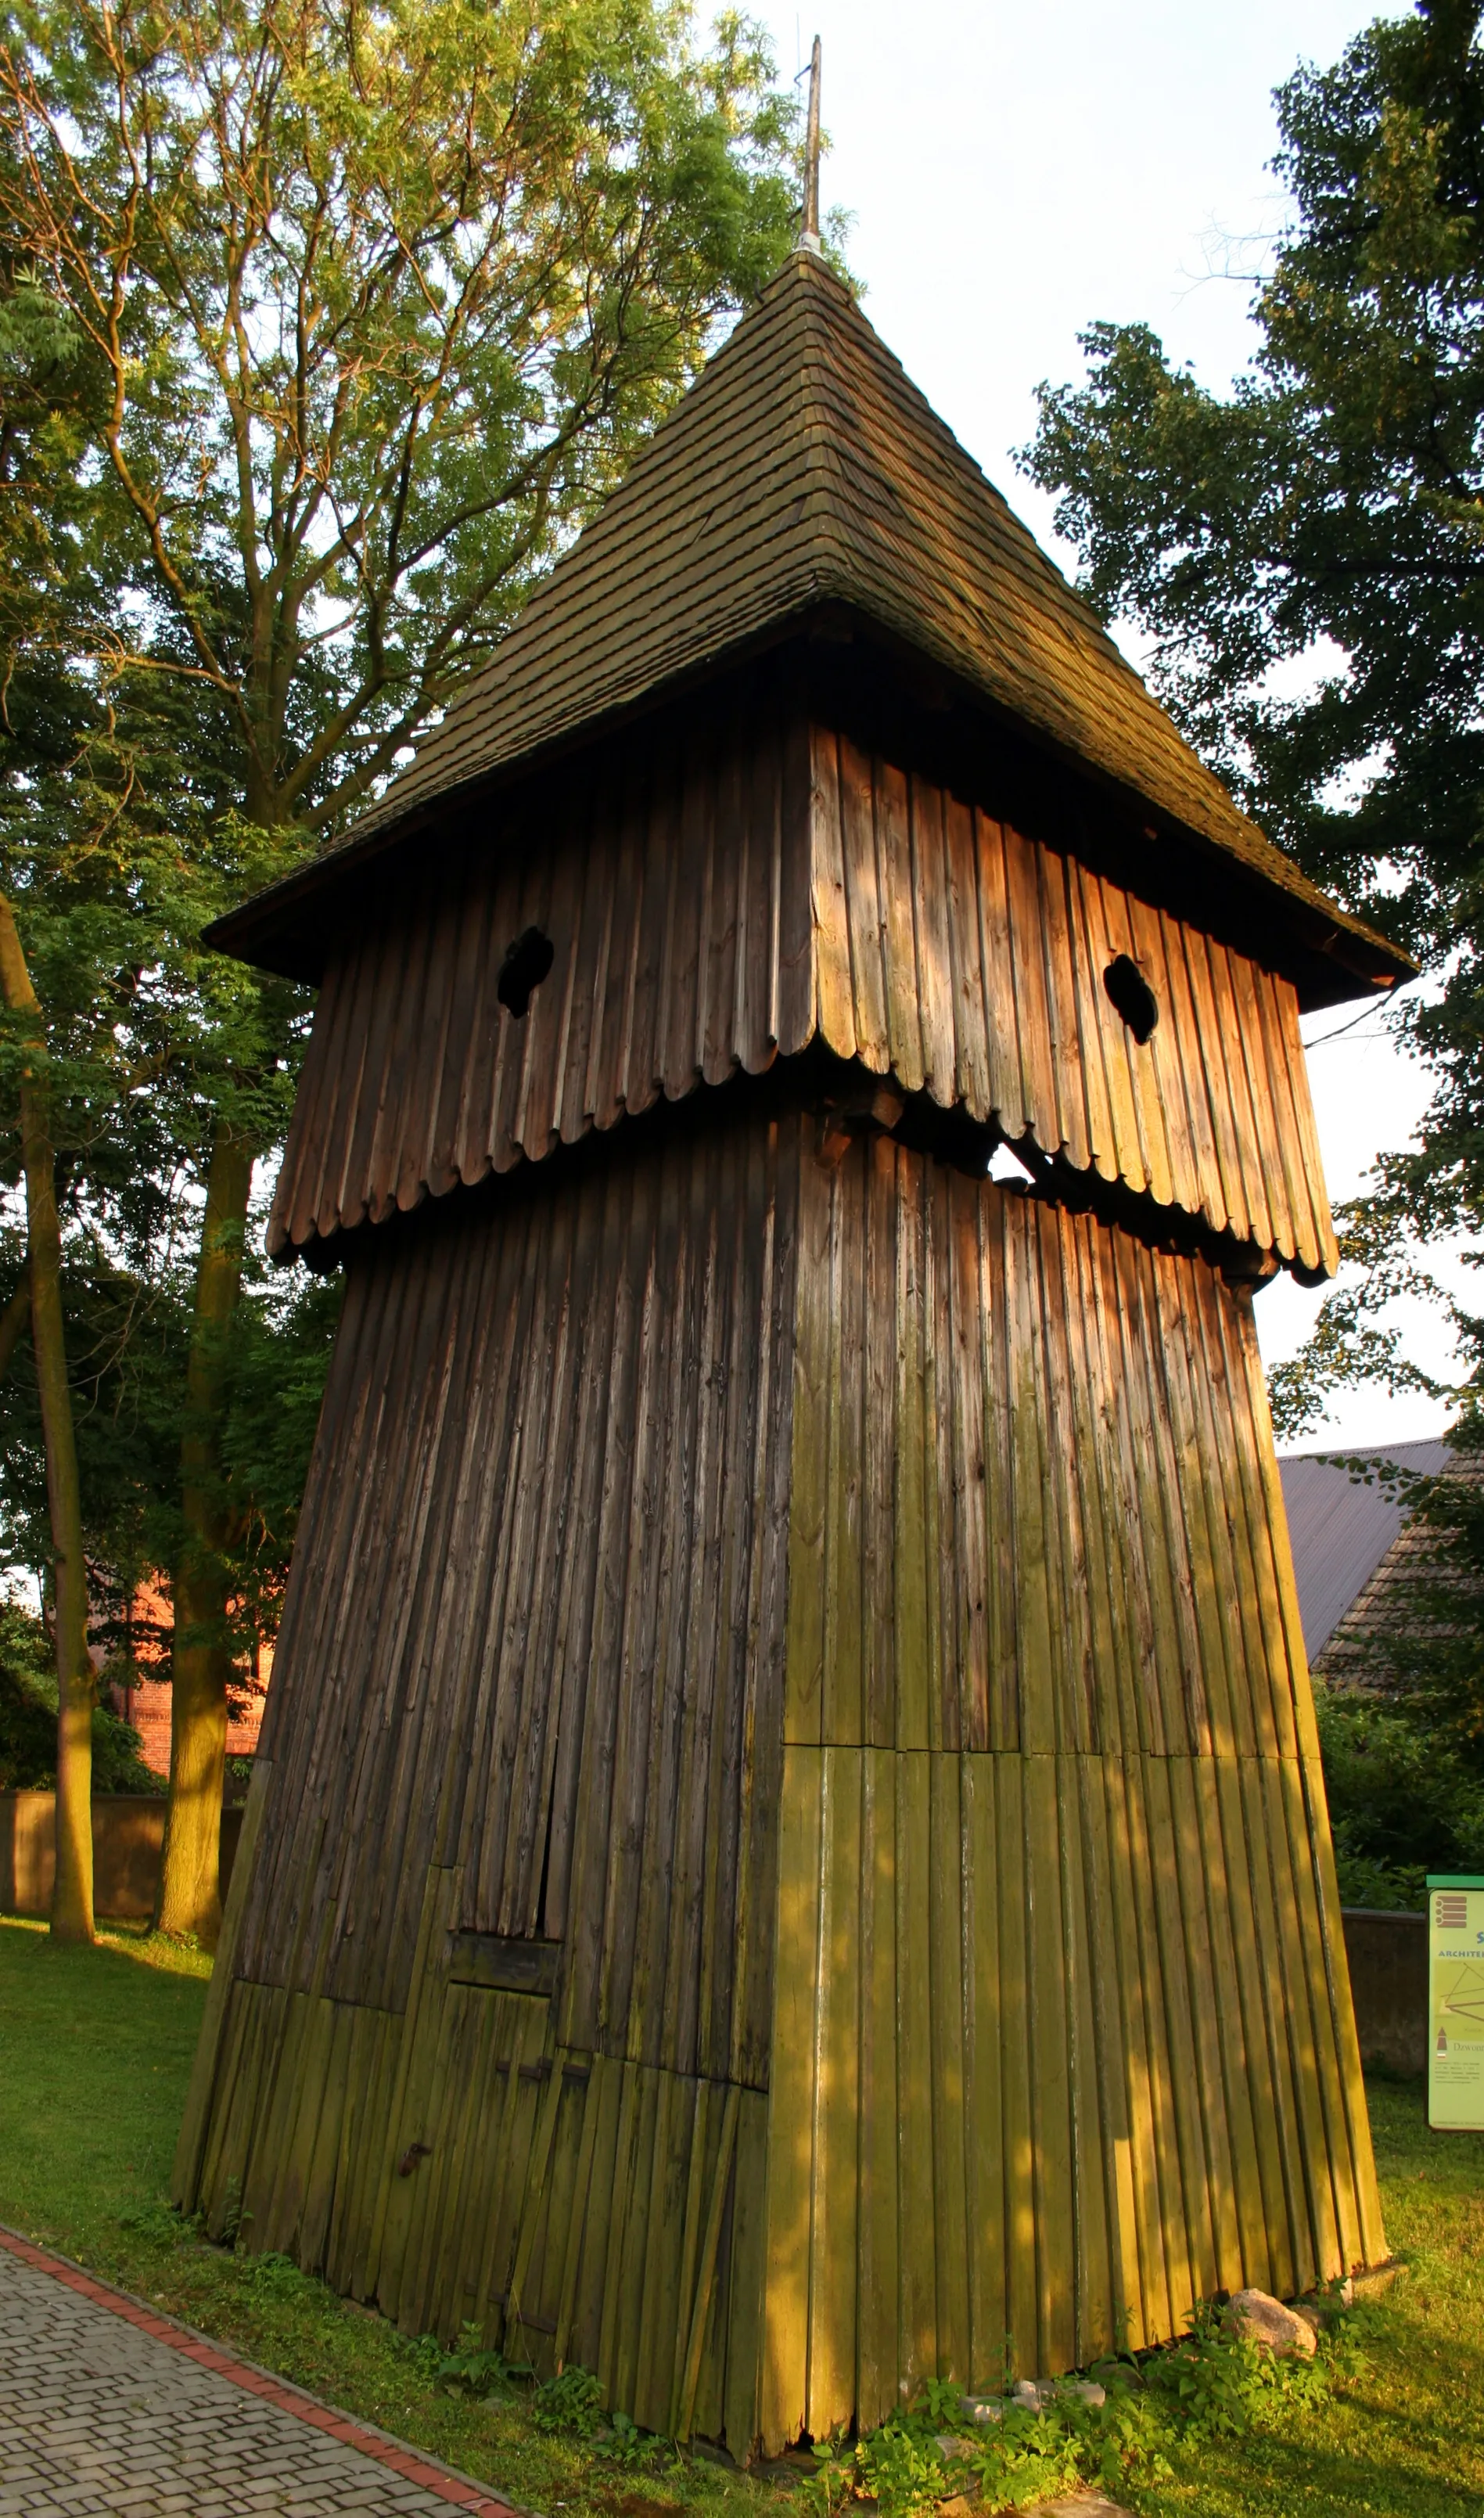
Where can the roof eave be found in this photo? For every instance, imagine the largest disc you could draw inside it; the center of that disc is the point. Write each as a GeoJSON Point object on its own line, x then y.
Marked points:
{"type": "Point", "coordinates": [1337, 959]}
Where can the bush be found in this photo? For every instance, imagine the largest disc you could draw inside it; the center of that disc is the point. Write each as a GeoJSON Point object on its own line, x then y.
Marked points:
{"type": "Point", "coordinates": [29, 1720]}
{"type": "Point", "coordinates": [1402, 1802]}
{"type": "Point", "coordinates": [1208, 2385]}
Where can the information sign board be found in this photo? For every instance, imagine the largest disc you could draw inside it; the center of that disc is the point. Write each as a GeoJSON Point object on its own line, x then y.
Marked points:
{"type": "Point", "coordinates": [1456, 2005]}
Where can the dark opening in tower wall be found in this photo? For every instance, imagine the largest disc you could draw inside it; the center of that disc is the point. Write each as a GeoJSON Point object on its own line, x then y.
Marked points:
{"type": "Point", "coordinates": [1132, 995]}
{"type": "Point", "coordinates": [525, 964]}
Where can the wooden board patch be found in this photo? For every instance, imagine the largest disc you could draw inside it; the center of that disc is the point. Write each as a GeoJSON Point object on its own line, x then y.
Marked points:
{"type": "Point", "coordinates": [504, 1964]}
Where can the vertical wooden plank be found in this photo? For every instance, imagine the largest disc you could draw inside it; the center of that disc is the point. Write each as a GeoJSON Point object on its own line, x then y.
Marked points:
{"type": "Point", "coordinates": [986, 2040]}
{"type": "Point", "coordinates": [1052, 2124]}
{"type": "Point", "coordinates": [746, 2317]}
{"type": "Point", "coordinates": [1006, 1071]}
{"type": "Point", "coordinates": [1119, 916]}
{"type": "Point", "coordinates": [185, 2174]}
{"type": "Point", "coordinates": [1107, 937]}
{"type": "Point", "coordinates": [1118, 2058]}
{"type": "Point", "coordinates": [948, 2009]}
{"type": "Point", "coordinates": [1166, 1111]}
{"type": "Point", "coordinates": [822, 1191]}
{"type": "Point", "coordinates": [793, 1023]}
{"type": "Point", "coordinates": [1211, 1187]}
{"type": "Point", "coordinates": [966, 1642]}
{"type": "Point", "coordinates": [759, 1014]}
{"type": "Point", "coordinates": [1069, 1117]}
{"type": "Point", "coordinates": [834, 998]}
{"type": "Point", "coordinates": [724, 894]}
{"type": "Point", "coordinates": [894, 858]}
{"type": "Point", "coordinates": [1164, 2254]}
{"type": "Point", "coordinates": [877, 2345]}
{"type": "Point", "coordinates": [916, 2263]}
{"type": "Point", "coordinates": [934, 954]}
{"type": "Point", "coordinates": [619, 2198]}
{"type": "Point", "coordinates": [912, 1580]}
{"type": "Point", "coordinates": [971, 1047]}
{"type": "Point", "coordinates": [1024, 1402]}
{"type": "Point", "coordinates": [1282, 1181]}
{"type": "Point", "coordinates": [835, 2168]}
{"type": "Point", "coordinates": [1091, 1001]}
{"type": "Point", "coordinates": [1225, 2156]}
{"type": "Point", "coordinates": [843, 1695]}
{"type": "Point", "coordinates": [791, 2103]}
{"type": "Point", "coordinates": [879, 1628]}
{"type": "Point", "coordinates": [640, 1082]}
{"type": "Point", "coordinates": [1191, 2248]}
{"type": "Point", "coordinates": [1212, 1016]}
{"type": "Point", "coordinates": [1027, 969]}
{"type": "Point", "coordinates": [702, 2313]}
{"type": "Point", "coordinates": [1243, 2236]}
{"type": "Point", "coordinates": [1019, 2063]}
{"type": "Point", "coordinates": [1287, 1076]}
{"type": "Point", "coordinates": [1284, 1002]}
{"type": "Point", "coordinates": [1093, 2286]}
{"type": "Point", "coordinates": [999, 1229]}
{"type": "Point", "coordinates": [864, 913]}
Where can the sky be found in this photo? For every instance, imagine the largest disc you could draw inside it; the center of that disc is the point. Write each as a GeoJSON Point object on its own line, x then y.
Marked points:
{"type": "Point", "coordinates": [1016, 174]}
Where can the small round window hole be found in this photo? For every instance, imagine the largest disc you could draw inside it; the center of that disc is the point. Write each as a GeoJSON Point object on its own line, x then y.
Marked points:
{"type": "Point", "coordinates": [1132, 995]}
{"type": "Point", "coordinates": [525, 964]}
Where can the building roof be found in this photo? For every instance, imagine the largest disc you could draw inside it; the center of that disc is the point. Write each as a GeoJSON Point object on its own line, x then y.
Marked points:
{"type": "Point", "coordinates": [805, 471]}
{"type": "Point", "coordinates": [1344, 1519]}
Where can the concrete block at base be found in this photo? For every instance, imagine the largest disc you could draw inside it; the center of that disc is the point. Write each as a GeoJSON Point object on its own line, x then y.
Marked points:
{"type": "Point", "coordinates": [1388, 1982]}
{"type": "Point", "coordinates": [128, 1832]}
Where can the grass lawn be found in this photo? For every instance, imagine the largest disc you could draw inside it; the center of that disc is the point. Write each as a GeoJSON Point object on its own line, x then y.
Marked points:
{"type": "Point", "coordinates": [94, 2053]}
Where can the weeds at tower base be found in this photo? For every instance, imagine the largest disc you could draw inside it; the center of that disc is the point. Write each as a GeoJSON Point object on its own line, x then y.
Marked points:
{"type": "Point", "coordinates": [1211, 2384]}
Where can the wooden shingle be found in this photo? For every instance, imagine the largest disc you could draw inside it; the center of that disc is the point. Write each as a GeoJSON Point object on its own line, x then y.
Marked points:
{"type": "Point", "coordinates": [806, 470]}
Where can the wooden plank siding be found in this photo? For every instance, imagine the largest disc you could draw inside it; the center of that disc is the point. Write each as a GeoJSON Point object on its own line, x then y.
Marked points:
{"type": "Point", "coordinates": [1061, 2042]}
{"type": "Point", "coordinates": [715, 906]}
{"type": "Point", "coordinates": [844, 1606]}
{"type": "Point", "coordinates": [534, 1632]}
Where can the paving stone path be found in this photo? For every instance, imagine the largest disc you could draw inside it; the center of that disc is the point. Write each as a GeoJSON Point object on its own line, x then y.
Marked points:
{"type": "Point", "coordinates": [109, 2411]}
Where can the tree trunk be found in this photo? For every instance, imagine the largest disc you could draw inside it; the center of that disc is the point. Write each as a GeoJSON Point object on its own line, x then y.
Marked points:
{"type": "Point", "coordinates": [188, 1903]}
{"type": "Point", "coordinates": [14, 1321]}
{"type": "Point", "coordinates": [73, 1891]}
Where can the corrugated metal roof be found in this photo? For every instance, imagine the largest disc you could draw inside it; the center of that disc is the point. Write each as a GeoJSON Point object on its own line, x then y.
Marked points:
{"type": "Point", "coordinates": [806, 470]}
{"type": "Point", "coordinates": [1341, 1522]}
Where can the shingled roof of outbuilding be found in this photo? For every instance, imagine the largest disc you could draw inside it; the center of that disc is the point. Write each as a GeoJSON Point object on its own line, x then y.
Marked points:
{"type": "Point", "coordinates": [804, 470]}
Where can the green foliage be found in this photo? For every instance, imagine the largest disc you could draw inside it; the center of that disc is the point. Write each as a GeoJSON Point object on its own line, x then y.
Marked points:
{"type": "Point", "coordinates": [127, 1336]}
{"type": "Point", "coordinates": [161, 2224]}
{"type": "Point", "coordinates": [628, 2445]}
{"type": "Point", "coordinates": [478, 2373]}
{"type": "Point", "coordinates": [1326, 514]}
{"type": "Point", "coordinates": [365, 314]}
{"type": "Point", "coordinates": [276, 2276]}
{"type": "Point", "coordinates": [1209, 2385]}
{"type": "Point", "coordinates": [373, 309]}
{"type": "Point", "coordinates": [1401, 1803]}
{"type": "Point", "coordinates": [29, 1718]}
{"type": "Point", "coordinates": [1214, 2383]}
{"type": "Point", "coordinates": [1334, 496]}
{"type": "Point", "coordinates": [571, 2402]}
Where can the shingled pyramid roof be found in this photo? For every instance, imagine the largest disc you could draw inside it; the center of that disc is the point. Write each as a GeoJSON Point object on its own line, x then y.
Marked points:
{"type": "Point", "coordinates": [804, 468]}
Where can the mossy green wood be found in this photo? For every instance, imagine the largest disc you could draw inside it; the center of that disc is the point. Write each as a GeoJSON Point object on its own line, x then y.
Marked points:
{"type": "Point", "coordinates": [1040, 1889]}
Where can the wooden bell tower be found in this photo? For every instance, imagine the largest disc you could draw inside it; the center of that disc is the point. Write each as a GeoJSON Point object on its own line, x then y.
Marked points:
{"type": "Point", "coordinates": [789, 1842]}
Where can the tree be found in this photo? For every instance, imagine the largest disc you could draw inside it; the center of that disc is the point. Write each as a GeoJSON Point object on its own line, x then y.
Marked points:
{"type": "Point", "coordinates": [73, 1890]}
{"type": "Point", "coordinates": [381, 300]}
{"type": "Point", "coordinates": [1329, 513]}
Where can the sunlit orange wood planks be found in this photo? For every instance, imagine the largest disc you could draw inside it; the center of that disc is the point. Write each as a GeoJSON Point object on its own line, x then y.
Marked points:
{"type": "Point", "coordinates": [772, 887]}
